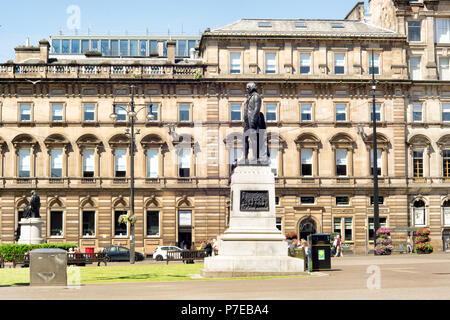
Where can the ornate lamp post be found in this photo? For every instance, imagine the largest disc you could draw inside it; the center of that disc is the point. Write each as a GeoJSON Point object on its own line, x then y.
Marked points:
{"type": "Point", "coordinates": [131, 113]}
{"type": "Point", "coordinates": [376, 220]}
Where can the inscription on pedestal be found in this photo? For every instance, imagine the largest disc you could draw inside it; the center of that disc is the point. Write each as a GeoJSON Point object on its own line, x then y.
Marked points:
{"type": "Point", "coordinates": [254, 200]}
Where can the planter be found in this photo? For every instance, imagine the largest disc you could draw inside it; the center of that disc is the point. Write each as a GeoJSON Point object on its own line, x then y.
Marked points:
{"type": "Point", "coordinates": [426, 251]}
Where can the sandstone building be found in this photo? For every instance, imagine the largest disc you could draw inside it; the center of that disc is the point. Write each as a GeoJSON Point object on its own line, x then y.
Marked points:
{"type": "Point", "coordinates": [58, 138]}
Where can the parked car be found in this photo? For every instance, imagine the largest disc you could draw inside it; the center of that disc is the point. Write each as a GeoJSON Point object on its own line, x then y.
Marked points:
{"type": "Point", "coordinates": [160, 253]}
{"type": "Point", "coordinates": [119, 253]}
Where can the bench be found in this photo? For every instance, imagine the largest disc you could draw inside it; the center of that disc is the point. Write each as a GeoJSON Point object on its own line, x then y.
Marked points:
{"type": "Point", "coordinates": [401, 248]}
{"type": "Point", "coordinates": [80, 259]}
{"type": "Point", "coordinates": [185, 255]}
{"type": "Point", "coordinates": [23, 259]}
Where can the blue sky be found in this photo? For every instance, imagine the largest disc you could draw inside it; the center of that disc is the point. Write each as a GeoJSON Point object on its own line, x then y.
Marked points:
{"type": "Point", "coordinates": [37, 20]}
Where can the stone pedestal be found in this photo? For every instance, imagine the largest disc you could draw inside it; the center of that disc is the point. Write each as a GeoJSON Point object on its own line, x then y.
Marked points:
{"type": "Point", "coordinates": [252, 245]}
{"type": "Point", "coordinates": [48, 267]}
{"type": "Point", "coordinates": [31, 231]}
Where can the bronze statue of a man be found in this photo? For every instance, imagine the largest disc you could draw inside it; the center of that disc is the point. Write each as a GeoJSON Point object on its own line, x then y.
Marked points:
{"type": "Point", "coordinates": [255, 135]}
{"type": "Point", "coordinates": [32, 210]}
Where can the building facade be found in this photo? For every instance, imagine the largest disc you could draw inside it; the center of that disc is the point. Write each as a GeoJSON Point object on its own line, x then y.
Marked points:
{"type": "Point", "coordinates": [314, 76]}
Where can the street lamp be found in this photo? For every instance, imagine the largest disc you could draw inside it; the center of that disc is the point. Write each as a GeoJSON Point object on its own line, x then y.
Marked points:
{"type": "Point", "coordinates": [376, 221]}
{"type": "Point", "coordinates": [132, 116]}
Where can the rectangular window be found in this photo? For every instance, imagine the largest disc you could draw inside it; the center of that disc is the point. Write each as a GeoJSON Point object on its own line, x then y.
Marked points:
{"type": "Point", "coordinates": [273, 161]}
{"type": "Point", "coordinates": [414, 30]}
{"type": "Point", "coordinates": [184, 218]}
{"type": "Point", "coordinates": [446, 112]}
{"type": "Point", "coordinates": [143, 47]}
{"type": "Point", "coordinates": [419, 216]}
{"type": "Point", "coordinates": [89, 112]}
{"type": "Point", "coordinates": [152, 223]}
{"type": "Point", "coordinates": [341, 112]}
{"type": "Point", "coordinates": [134, 49]}
{"type": "Point", "coordinates": [337, 226]}
{"type": "Point", "coordinates": [380, 200]}
{"type": "Point", "coordinates": [271, 63]}
{"type": "Point", "coordinates": [414, 68]}
{"type": "Point", "coordinates": [307, 200]}
{"type": "Point", "coordinates": [153, 47]}
{"type": "Point", "coordinates": [379, 162]}
{"type": "Point", "coordinates": [271, 112]}
{"type": "Point", "coordinates": [377, 112]}
{"type": "Point", "coordinates": [24, 163]}
{"type": "Point", "coordinates": [25, 112]}
{"type": "Point", "coordinates": [348, 229]}
{"type": "Point", "coordinates": [235, 62]}
{"type": "Point", "coordinates": [75, 46]}
{"type": "Point", "coordinates": [56, 163]}
{"type": "Point", "coordinates": [165, 48]}
{"type": "Point", "coordinates": [184, 163]}
{"type": "Point", "coordinates": [120, 229]}
{"type": "Point", "coordinates": [88, 223]}
{"type": "Point", "coordinates": [114, 48]}
{"type": "Point", "coordinates": [184, 111]}
{"type": "Point", "coordinates": [105, 48]}
{"type": "Point", "coordinates": [155, 111]}
{"type": "Point", "coordinates": [444, 71]}
{"type": "Point", "coordinates": [342, 201]}
{"type": "Point", "coordinates": [236, 110]}
{"type": "Point", "coordinates": [191, 46]}
{"type": "Point", "coordinates": [152, 163]}
{"type": "Point", "coordinates": [84, 46]}
{"type": "Point", "coordinates": [339, 63]}
{"type": "Point", "coordinates": [120, 163]}
{"type": "Point", "coordinates": [56, 223]}
{"type": "Point", "coordinates": [306, 112]}
{"type": "Point", "coordinates": [418, 163]}
{"type": "Point", "coordinates": [56, 45]}
{"type": "Point", "coordinates": [94, 44]}
{"type": "Point", "coordinates": [279, 223]}
{"type": "Point", "coordinates": [382, 222]}
{"type": "Point", "coordinates": [341, 162]}
{"type": "Point", "coordinates": [375, 68]}
{"type": "Point", "coordinates": [57, 112]}
{"type": "Point", "coordinates": [181, 48]}
{"type": "Point", "coordinates": [124, 48]}
{"type": "Point", "coordinates": [66, 46]}
{"type": "Point", "coordinates": [305, 63]}
{"type": "Point", "coordinates": [306, 162]}
{"type": "Point", "coordinates": [417, 112]}
{"type": "Point", "coordinates": [446, 163]}
{"type": "Point", "coordinates": [442, 30]}
{"type": "Point", "coordinates": [121, 111]}
{"type": "Point", "coordinates": [88, 163]}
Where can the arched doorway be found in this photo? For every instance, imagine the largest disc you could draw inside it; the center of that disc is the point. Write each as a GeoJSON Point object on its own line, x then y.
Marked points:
{"type": "Point", "coordinates": [306, 227]}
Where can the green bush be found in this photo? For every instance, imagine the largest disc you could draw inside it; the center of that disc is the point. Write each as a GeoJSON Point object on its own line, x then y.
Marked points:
{"type": "Point", "coordinates": [9, 250]}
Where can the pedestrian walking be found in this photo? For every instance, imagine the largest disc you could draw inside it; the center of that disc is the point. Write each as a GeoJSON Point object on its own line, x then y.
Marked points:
{"type": "Point", "coordinates": [208, 248]}
{"type": "Point", "coordinates": [339, 247]}
{"type": "Point", "coordinates": [333, 249]}
{"type": "Point", "coordinates": [408, 245]}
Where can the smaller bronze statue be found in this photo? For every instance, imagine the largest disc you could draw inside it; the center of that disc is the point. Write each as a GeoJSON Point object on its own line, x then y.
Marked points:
{"type": "Point", "coordinates": [255, 134]}
{"type": "Point", "coordinates": [32, 210]}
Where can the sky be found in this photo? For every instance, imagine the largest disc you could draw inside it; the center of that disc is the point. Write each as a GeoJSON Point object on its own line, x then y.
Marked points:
{"type": "Point", "coordinates": [38, 20]}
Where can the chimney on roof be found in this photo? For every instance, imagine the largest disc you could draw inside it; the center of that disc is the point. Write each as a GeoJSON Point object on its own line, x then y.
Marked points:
{"type": "Point", "coordinates": [44, 47]}
{"type": "Point", "coordinates": [357, 13]}
{"type": "Point", "coordinates": [171, 51]}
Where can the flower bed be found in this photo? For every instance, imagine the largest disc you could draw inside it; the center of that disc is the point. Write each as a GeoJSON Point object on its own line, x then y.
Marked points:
{"type": "Point", "coordinates": [422, 241]}
{"type": "Point", "coordinates": [384, 242]}
{"type": "Point", "coordinates": [291, 236]}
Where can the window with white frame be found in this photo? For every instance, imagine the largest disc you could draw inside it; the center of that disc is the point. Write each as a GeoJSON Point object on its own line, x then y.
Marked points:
{"type": "Point", "coordinates": [184, 162]}
{"type": "Point", "coordinates": [56, 224]}
{"type": "Point", "coordinates": [121, 111]}
{"type": "Point", "coordinates": [24, 163]}
{"type": "Point", "coordinates": [235, 112]}
{"type": "Point", "coordinates": [342, 201]}
{"type": "Point", "coordinates": [346, 233]}
{"type": "Point", "coordinates": [25, 112]}
{"type": "Point", "coordinates": [379, 162]}
{"type": "Point", "coordinates": [339, 63]}
{"type": "Point", "coordinates": [184, 113]}
{"type": "Point", "coordinates": [89, 112]}
{"type": "Point", "coordinates": [446, 212]}
{"type": "Point", "coordinates": [414, 68]}
{"type": "Point", "coordinates": [235, 62]}
{"type": "Point", "coordinates": [307, 200]}
{"type": "Point", "coordinates": [88, 163]}
{"type": "Point", "coordinates": [306, 162]}
{"type": "Point", "coordinates": [341, 112]}
{"type": "Point", "coordinates": [414, 30]}
{"type": "Point", "coordinates": [152, 223]}
{"type": "Point", "coordinates": [120, 229]}
{"type": "Point", "coordinates": [417, 115]}
{"type": "Point", "coordinates": [377, 112]}
{"type": "Point", "coordinates": [305, 63]}
{"type": "Point", "coordinates": [446, 163]}
{"type": "Point", "coordinates": [419, 212]}
{"type": "Point", "coordinates": [273, 161]}
{"type": "Point", "coordinates": [152, 163]}
{"type": "Point", "coordinates": [306, 112]}
{"type": "Point", "coordinates": [57, 112]}
{"type": "Point", "coordinates": [446, 112]}
{"type": "Point", "coordinates": [444, 71]}
{"type": "Point", "coordinates": [271, 63]}
{"type": "Point", "coordinates": [120, 163]}
{"type": "Point", "coordinates": [154, 110]}
{"type": "Point", "coordinates": [375, 68]}
{"type": "Point", "coordinates": [56, 156]}
{"type": "Point", "coordinates": [382, 224]}
{"type": "Point", "coordinates": [341, 162]}
{"type": "Point", "coordinates": [442, 26]}
{"type": "Point", "coordinates": [418, 163]}
{"type": "Point", "coordinates": [271, 112]}
{"type": "Point", "coordinates": [88, 223]}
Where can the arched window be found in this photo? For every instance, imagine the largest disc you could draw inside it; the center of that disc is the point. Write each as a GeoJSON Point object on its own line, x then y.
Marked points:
{"type": "Point", "coordinates": [308, 147]}
{"type": "Point", "coordinates": [342, 145]}
{"type": "Point", "coordinates": [419, 212]}
{"type": "Point", "coordinates": [446, 212]}
{"type": "Point", "coordinates": [153, 145]}
{"type": "Point", "coordinates": [89, 146]}
{"type": "Point", "coordinates": [26, 147]}
{"type": "Point", "coordinates": [420, 156]}
{"type": "Point", "coordinates": [120, 207]}
{"type": "Point", "coordinates": [276, 150]}
{"type": "Point", "coordinates": [57, 148]}
{"type": "Point", "coordinates": [56, 218]}
{"type": "Point", "coordinates": [444, 146]}
{"type": "Point", "coordinates": [235, 147]}
{"type": "Point", "coordinates": [152, 218]}
{"type": "Point", "coordinates": [382, 154]}
{"type": "Point", "coordinates": [120, 145]}
{"type": "Point", "coordinates": [88, 218]}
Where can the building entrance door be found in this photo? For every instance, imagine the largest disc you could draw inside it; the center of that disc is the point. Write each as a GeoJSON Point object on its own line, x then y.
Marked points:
{"type": "Point", "coordinates": [185, 228]}
{"type": "Point", "coordinates": [446, 240]}
{"type": "Point", "coordinates": [306, 228]}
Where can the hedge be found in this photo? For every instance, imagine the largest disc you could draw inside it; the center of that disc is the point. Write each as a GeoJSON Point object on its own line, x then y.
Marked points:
{"type": "Point", "coordinates": [8, 250]}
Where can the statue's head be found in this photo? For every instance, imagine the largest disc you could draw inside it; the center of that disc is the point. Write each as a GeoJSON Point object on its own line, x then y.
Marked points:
{"type": "Point", "coordinates": [32, 192]}
{"type": "Point", "coordinates": [251, 86]}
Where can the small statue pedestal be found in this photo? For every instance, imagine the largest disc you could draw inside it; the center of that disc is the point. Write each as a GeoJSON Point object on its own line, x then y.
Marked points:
{"type": "Point", "coordinates": [252, 245]}
{"type": "Point", "coordinates": [31, 231]}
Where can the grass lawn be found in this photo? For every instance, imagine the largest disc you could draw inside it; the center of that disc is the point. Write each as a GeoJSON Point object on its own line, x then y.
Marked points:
{"type": "Point", "coordinates": [126, 273]}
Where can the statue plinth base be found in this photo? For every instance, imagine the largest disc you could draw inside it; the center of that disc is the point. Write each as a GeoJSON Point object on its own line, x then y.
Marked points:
{"type": "Point", "coordinates": [31, 231]}
{"type": "Point", "coordinates": [252, 245]}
